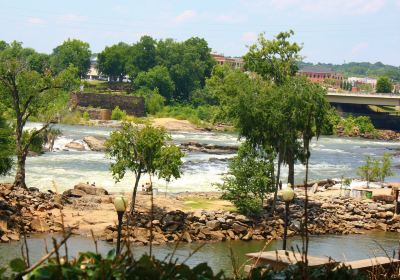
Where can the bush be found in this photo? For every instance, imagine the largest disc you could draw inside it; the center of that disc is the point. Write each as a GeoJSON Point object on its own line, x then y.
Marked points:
{"type": "Point", "coordinates": [361, 124]}
{"type": "Point", "coordinates": [154, 103]}
{"type": "Point", "coordinates": [117, 114]}
{"type": "Point", "coordinates": [251, 173]}
{"type": "Point", "coordinates": [86, 116]}
{"type": "Point", "coordinates": [332, 120]}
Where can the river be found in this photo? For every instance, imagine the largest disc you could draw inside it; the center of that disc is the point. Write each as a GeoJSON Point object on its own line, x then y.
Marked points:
{"type": "Point", "coordinates": [340, 248]}
{"type": "Point", "coordinates": [331, 157]}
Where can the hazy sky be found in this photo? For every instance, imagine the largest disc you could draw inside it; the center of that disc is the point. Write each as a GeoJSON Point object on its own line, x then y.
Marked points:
{"type": "Point", "coordinates": [331, 30]}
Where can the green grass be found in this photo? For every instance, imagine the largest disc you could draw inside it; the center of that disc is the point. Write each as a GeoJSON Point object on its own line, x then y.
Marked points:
{"type": "Point", "coordinates": [207, 204]}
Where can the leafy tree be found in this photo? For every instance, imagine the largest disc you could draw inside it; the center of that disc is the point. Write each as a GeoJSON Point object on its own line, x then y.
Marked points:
{"type": "Point", "coordinates": [6, 147]}
{"type": "Point", "coordinates": [142, 151]}
{"type": "Point", "coordinates": [250, 179]}
{"type": "Point", "coordinates": [386, 167]}
{"type": "Point", "coordinates": [142, 56]}
{"type": "Point", "coordinates": [3, 45]}
{"type": "Point", "coordinates": [274, 59]}
{"type": "Point", "coordinates": [189, 64]}
{"type": "Point", "coordinates": [156, 78]}
{"type": "Point", "coordinates": [384, 85]}
{"type": "Point", "coordinates": [71, 52]}
{"type": "Point", "coordinates": [30, 93]}
{"type": "Point", "coordinates": [112, 61]}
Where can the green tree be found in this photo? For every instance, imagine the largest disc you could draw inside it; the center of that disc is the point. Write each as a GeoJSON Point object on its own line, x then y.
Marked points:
{"type": "Point", "coordinates": [71, 52]}
{"type": "Point", "coordinates": [118, 114]}
{"type": "Point", "coordinates": [112, 61]}
{"type": "Point", "coordinates": [275, 59]}
{"type": "Point", "coordinates": [384, 85]}
{"type": "Point", "coordinates": [142, 56]}
{"type": "Point", "coordinates": [250, 178]}
{"type": "Point", "coordinates": [142, 151]}
{"type": "Point", "coordinates": [156, 78]}
{"type": "Point", "coordinates": [386, 167]}
{"type": "Point", "coordinates": [6, 147]}
{"type": "Point", "coordinates": [29, 94]}
{"type": "Point", "coordinates": [189, 64]}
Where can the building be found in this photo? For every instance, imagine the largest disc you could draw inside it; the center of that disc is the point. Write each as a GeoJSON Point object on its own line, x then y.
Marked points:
{"type": "Point", "coordinates": [236, 62]}
{"type": "Point", "coordinates": [357, 81]}
{"type": "Point", "coordinates": [93, 73]}
{"type": "Point", "coordinates": [321, 75]}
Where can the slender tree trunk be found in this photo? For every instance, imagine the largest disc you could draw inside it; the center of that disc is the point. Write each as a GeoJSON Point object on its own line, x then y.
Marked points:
{"type": "Point", "coordinates": [20, 174]}
{"type": "Point", "coordinates": [278, 175]}
{"type": "Point", "coordinates": [134, 192]}
{"type": "Point", "coordinates": [291, 169]}
{"type": "Point", "coordinates": [151, 216]}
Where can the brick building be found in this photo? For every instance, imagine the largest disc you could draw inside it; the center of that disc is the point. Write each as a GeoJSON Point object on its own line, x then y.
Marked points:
{"type": "Point", "coordinates": [321, 75]}
{"type": "Point", "coordinates": [236, 62]}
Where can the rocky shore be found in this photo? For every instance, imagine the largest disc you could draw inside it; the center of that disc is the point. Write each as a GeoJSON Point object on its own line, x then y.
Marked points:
{"type": "Point", "coordinates": [327, 215]}
{"type": "Point", "coordinates": [85, 208]}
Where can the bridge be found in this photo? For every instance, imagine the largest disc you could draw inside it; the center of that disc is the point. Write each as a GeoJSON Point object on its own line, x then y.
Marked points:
{"type": "Point", "coordinates": [384, 99]}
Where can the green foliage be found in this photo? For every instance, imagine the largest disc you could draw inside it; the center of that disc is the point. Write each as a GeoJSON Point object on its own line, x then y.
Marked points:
{"type": "Point", "coordinates": [275, 59]}
{"type": "Point", "coordinates": [118, 114]}
{"type": "Point", "coordinates": [142, 150]}
{"type": "Point", "coordinates": [31, 94]}
{"type": "Point", "coordinates": [6, 147]}
{"type": "Point", "coordinates": [250, 179]}
{"type": "Point", "coordinates": [112, 61]}
{"type": "Point", "coordinates": [142, 56]}
{"type": "Point", "coordinates": [71, 52]}
{"type": "Point", "coordinates": [86, 116]}
{"type": "Point", "coordinates": [197, 116]}
{"type": "Point", "coordinates": [362, 124]}
{"type": "Point", "coordinates": [332, 120]}
{"type": "Point", "coordinates": [157, 78]}
{"type": "Point", "coordinates": [376, 169]}
{"type": "Point", "coordinates": [154, 102]}
{"type": "Point", "coordinates": [384, 85]}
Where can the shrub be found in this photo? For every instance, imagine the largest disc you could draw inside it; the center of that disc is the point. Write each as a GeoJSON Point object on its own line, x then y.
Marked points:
{"type": "Point", "coordinates": [86, 116]}
{"type": "Point", "coordinates": [154, 103]}
{"type": "Point", "coordinates": [118, 114]}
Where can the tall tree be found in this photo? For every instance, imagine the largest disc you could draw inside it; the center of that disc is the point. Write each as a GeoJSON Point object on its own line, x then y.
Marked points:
{"type": "Point", "coordinates": [142, 56]}
{"type": "Point", "coordinates": [142, 151]}
{"type": "Point", "coordinates": [275, 59]}
{"type": "Point", "coordinates": [73, 52]}
{"type": "Point", "coordinates": [6, 147]}
{"type": "Point", "coordinates": [156, 78]}
{"type": "Point", "coordinates": [30, 93]}
{"type": "Point", "coordinates": [384, 85]}
{"type": "Point", "coordinates": [112, 61]}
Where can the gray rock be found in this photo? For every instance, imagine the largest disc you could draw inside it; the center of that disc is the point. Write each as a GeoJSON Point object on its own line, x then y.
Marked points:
{"type": "Point", "coordinates": [213, 225]}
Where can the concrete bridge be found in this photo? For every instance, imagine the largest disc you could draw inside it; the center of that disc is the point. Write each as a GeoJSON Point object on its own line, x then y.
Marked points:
{"type": "Point", "coordinates": [385, 99]}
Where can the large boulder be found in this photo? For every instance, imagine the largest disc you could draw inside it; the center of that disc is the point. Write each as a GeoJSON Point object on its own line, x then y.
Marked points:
{"type": "Point", "coordinates": [75, 146]}
{"type": "Point", "coordinates": [39, 225]}
{"type": "Point", "coordinates": [95, 143]}
{"type": "Point", "coordinates": [74, 193]}
{"type": "Point", "coordinates": [88, 189]}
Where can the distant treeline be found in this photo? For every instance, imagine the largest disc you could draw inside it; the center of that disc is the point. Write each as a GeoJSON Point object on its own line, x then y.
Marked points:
{"type": "Point", "coordinates": [373, 70]}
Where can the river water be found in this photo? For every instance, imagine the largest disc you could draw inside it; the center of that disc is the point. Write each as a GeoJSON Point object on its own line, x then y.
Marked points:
{"type": "Point", "coordinates": [340, 248]}
{"type": "Point", "coordinates": [331, 157]}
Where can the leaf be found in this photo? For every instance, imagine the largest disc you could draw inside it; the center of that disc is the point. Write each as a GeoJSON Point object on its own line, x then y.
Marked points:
{"type": "Point", "coordinates": [17, 265]}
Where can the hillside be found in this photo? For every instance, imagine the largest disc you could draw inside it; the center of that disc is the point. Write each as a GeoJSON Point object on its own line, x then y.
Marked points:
{"type": "Point", "coordinates": [360, 69]}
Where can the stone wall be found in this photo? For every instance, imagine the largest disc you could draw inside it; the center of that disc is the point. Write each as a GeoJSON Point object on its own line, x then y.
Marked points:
{"type": "Point", "coordinates": [132, 105]}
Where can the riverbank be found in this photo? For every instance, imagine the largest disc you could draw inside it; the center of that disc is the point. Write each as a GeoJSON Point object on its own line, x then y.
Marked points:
{"type": "Point", "coordinates": [187, 217]}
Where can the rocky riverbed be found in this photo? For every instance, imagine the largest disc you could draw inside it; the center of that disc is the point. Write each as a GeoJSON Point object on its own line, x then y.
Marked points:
{"type": "Point", "coordinates": [86, 208]}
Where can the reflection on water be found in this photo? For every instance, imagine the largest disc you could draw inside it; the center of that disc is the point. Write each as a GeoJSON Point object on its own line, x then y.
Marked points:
{"type": "Point", "coordinates": [331, 158]}
{"type": "Point", "coordinates": [339, 247]}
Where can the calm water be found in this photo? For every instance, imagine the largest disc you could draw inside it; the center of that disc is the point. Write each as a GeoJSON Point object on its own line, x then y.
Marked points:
{"type": "Point", "coordinates": [350, 247]}
{"type": "Point", "coordinates": [331, 158]}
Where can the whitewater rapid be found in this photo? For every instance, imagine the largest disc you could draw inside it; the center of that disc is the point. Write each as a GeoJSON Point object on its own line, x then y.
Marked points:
{"type": "Point", "coordinates": [331, 157]}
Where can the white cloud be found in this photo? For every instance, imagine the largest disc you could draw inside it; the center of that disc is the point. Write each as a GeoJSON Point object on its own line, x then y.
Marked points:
{"type": "Point", "coordinates": [359, 48]}
{"type": "Point", "coordinates": [337, 7]}
{"type": "Point", "coordinates": [71, 18]}
{"type": "Point", "coordinates": [249, 37]}
{"type": "Point", "coordinates": [35, 20]}
{"type": "Point", "coordinates": [230, 18]}
{"type": "Point", "coordinates": [185, 16]}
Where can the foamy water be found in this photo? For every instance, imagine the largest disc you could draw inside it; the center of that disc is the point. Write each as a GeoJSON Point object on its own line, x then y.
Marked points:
{"type": "Point", "coordinates": [331, 158]}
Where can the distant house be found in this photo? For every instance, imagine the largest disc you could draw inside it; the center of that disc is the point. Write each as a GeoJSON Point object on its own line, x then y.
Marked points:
{"type": "Point", "coordinates": [236, 62]}
{"type": "Point", "coordinates": [93, 73]}
{"type": "Point", "coordinates": [357, 81]}
{"type": "Point", "coordinates": [321, 75]}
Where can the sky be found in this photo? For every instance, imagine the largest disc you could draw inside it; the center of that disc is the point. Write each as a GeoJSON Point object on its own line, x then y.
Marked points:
{"type": "Point", "coordinates": [331, 31]}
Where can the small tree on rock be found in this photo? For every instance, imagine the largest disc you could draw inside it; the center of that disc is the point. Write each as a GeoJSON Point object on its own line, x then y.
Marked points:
{"type": "Point", "coordinates": [143, 150]}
